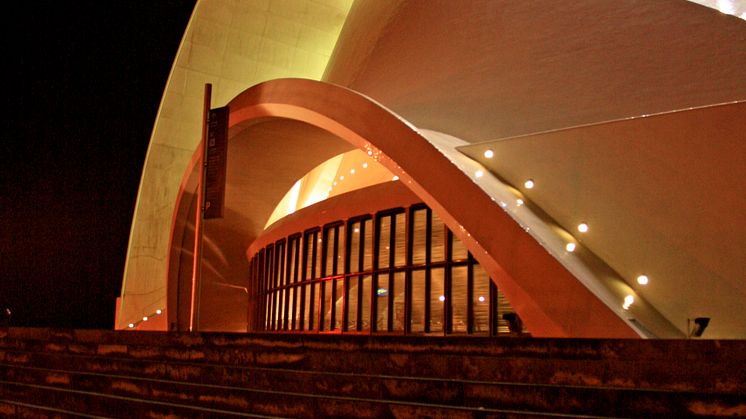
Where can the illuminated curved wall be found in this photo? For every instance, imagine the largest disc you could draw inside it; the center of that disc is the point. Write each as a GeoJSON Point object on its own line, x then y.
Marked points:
{"type": "Point", "coordinates": [627, 116]}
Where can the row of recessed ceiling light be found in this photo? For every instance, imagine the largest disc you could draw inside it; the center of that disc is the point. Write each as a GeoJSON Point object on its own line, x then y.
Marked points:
{"type": "Point", "coordinates": [352, 172]}
{"type": "Point", "coordinates": [145, 318]}
{"type": "Point", "coordinates": [582, 228]}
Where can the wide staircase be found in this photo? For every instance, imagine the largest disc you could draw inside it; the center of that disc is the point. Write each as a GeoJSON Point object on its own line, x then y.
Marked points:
{"type": "Point", "coordinates": [95, 373]}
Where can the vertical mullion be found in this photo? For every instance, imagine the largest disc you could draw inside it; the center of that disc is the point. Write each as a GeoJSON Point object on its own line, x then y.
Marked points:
{"type": "Point", "coordinates": [428, 261]}
{"type": "Point", "coordinates": [324, 274]}
{"type": "Point", "coordinates": [470, 294]}
{"type": "Point", "coordinates": [447, 309]}
{"type": "Point", "coordinates": [493, 315]}
{"type": "Point", "coordinates": [296, 300]}
{"type": "Point", "coordinates": [304, 281]}
{"type": "Point", "coordinates": [288, 323]}
{"type": "Point", "coordinates": [360, 267]}
{"type": "Point", "coordinates": [333, 299]}
{"type": "Point", "coordinates": [312, 298]}
{"type": "Point", "coordinates": [346, 278]}
{"type": "Point", "coordinates": [374, 277]}
{"type": "Point", "coordinates": [408, 240]}
{"type": "Point", "coordinates": [392, 290]}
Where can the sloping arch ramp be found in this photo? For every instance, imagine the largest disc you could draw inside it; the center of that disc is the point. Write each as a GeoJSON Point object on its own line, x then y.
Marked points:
{"type": "Point", "coordinates": [548, 297]}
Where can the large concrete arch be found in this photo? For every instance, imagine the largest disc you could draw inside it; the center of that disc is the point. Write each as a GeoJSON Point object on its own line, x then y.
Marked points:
{"type": "Point", "coordinates": [551, 301]}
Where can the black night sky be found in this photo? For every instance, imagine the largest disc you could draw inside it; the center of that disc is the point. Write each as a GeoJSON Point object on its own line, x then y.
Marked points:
{"type": "Point", "coordinates": [82, 85]}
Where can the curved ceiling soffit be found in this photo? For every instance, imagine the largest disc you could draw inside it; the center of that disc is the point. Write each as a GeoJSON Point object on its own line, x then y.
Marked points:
{"type": "Point", "coordinates": [548, 297]}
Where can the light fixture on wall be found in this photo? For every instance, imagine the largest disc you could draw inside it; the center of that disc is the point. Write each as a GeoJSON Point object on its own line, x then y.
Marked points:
{"type": "Point", "coordinates": [515, 324]}
{"type": "Point", "coordinates": [700, 324]}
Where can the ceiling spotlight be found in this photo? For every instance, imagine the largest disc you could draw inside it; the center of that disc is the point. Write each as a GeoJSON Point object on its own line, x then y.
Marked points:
{"type": "Point", "coordinates": [158, 311]}
{"type": "Point", "coordinates": [570, 247]}
{"type": "Point", "coordinates": [131, 325]}
{"type": "Point", "coordinates": [519, 202]}
{"type": "Point", "coordinates": [395, 178]}
{"type": "Point", "coordinates": [342, 177]}
{"type": "Point", "coordinates": [628, 300]}
{"type": "Point", "coordinates": [352, 171]}
{"type": "Point", "coordinates": [481, 298]}
{"type": "Point", "coordinates": [489, 153]}
{"type": "Point", "coordinates": [145, 318]}
{"type": "Point", "coordinates": [357, 230]}
{"type": "Point", "coordinates": [583, 227]}
{"type": "Point", "coordinates": [529, 184]}
{"type": "Point", "coordinates": [642, 279]}
{"type": "Point", "coordinates": [370, 152]}
{"type": "Point", "coordinates": [442, 298]}
{"type": "Point", "coordinates": [365, 165]}
{"type": "Point", "coordinates": [478, 174]}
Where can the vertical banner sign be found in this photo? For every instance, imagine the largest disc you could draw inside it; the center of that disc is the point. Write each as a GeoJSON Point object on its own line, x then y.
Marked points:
{"type": "Point", "coordinates": [216, 153]}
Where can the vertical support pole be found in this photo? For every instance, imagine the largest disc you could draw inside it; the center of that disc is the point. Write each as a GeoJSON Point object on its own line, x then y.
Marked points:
{"type": "Point", "coordinates": [198, 227]}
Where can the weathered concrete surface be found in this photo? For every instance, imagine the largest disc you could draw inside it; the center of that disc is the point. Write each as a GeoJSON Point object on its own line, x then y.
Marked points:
{"type": "Point", "coordinates": [98, 372]}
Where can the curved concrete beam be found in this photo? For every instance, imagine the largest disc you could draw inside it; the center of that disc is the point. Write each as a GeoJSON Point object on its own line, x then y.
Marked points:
{"type": "Point", "coordinates": [549, 299]}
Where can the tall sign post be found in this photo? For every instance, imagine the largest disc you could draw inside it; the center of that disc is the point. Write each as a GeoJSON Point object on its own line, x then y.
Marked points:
{"type": "Point", "coordinates": [210, 189]}
{"type": "Point", "coordinates": [197, 262]}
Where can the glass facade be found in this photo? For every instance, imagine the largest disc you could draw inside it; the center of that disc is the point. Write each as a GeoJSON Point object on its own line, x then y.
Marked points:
{"type": "Point", "coordinates": [399, 271]}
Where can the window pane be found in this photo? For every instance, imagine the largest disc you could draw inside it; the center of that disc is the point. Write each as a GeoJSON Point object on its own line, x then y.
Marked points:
{"type": "Point", "coordinates": [339, 304]}
{"type": "Point", "coordinates": [317, 270]}
{"type": "Point", "coordinates": [307, 259]}
{"type": "Point", "coordinates": [400, 255]}
{"type": "Point", "coordinates": [384, 242]}
{"type": "Point", "coordinates": [399, 300]}
{"type": "Point", "coordinates": [419, 220]}
{"type": "Point", "coordinates": [503, 306]}
{"type": "Point", "coordinates": [283, 309]}
{"type": "Point", "coordinates": [291, 308]}
{"type": "Point", "coordinates": [368, 250]}
{"type": "Point", "coordinates": [382, 303]}
{"type": "Point", "coordinates": [267, 315]}
{"type": "Point", "coordinates": [329, 244]}
{"type": "Point", "coordinates": [292, 254]}
{"type": "Point", "coordinates": [437, 299]}
{"type": "Point", "coordinates": [481, 300]}
{"type": "Point", "coordinates": [418, 301]}
{"type": "Point", "coordinates": [327, 305]}
{"type": "Point", "coordinates": [281, 264]}
{"type": "Point", "coordinates": [365, 303]}
{"type": "Point", "coordinates": [276, 309]}
{"type": "Point", "coordinates": [354, 247]}
{"type": "Point", "coordinates": [340, 250]}
{"type": "Point", "coordinates": [307, 309]}
{"type": "Point", "coordinates": [438, 240]}
{"type": "Point", "coordinates": [352, 304]}
{"type": "Point", "coordinates": [459, 298]}
{"type": "Point", "coordinates": [458, 250]}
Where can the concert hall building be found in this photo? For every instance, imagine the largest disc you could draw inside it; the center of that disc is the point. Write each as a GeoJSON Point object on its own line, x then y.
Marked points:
{"type": "Point", "coordinates": [478, 167]}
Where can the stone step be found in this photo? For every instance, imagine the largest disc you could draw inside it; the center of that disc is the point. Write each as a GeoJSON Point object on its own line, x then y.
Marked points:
{"type": "Point", "coordinates": [390, 389]}
{"type": "Point", "coordinates": [95, 395]}
{"type": "Point", "coordinates": [529, 348]}
{"type": "Point", "coordinates": [675, 373]}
